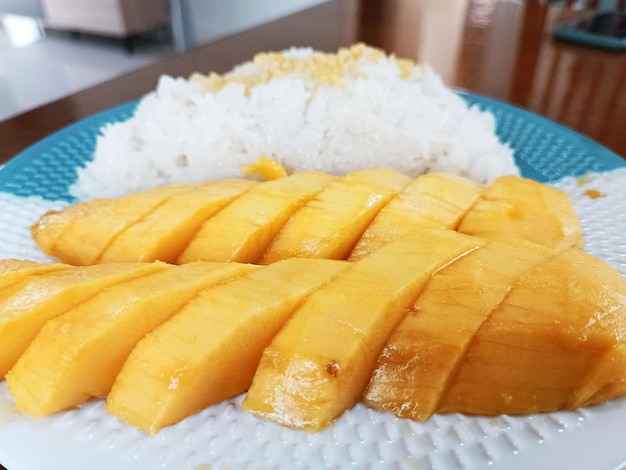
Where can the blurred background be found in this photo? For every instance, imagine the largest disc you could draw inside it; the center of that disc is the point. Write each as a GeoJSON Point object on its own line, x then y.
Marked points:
{"type": "Point", "coordinates": [499, 48]}
{"type": "Point", "coordinates": [51, 48]}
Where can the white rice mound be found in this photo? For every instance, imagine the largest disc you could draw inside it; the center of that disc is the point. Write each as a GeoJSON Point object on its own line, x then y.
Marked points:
{"type": "Point", "coordinates": [335, 113]}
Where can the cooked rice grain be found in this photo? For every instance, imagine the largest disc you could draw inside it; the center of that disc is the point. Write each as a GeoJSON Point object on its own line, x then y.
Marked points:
{"type": "Point", "coordinates": [358, 108]}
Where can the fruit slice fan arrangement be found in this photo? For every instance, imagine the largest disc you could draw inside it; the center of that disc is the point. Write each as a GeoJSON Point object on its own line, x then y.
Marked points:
{"type": "Point", "coordinates": [314, 292]}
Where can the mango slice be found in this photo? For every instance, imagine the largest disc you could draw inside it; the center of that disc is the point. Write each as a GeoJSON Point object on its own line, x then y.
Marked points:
{"type": "Point", "coordinates": [308, 215]}
{"type": "Point", "coordinates": [78, 354]}
{"type": "Point", "coordinates": [25, 307]}
{"type": "Point", "coordinates": [319, 364]}
{"type": "Point", "coordinates": [165, 232]}
{"type": "Point", "coordinates": [266, 168]}
{"type": "Point", "coordinates": [556, 342]}
{"type": "Point", "coordinates": [13, 270]}
{"type": "Point", "coordinates": [330, 224]}
{"type": "Point", "coordinates": [210, 350]}
{"type": "Point", "coordinates": [522, 208]}
{"type": "Point", "coordinates": [415, 366]}
{"type": "Point", "coordinates": [243, 230]}
{"type": "Point", "coordinates": [79, 234]}
{"type": "Point", "coordinates": [434, 200]}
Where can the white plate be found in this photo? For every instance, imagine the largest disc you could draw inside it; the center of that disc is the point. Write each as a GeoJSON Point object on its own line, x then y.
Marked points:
{"type": "Point", "coordinates": [224, 436]}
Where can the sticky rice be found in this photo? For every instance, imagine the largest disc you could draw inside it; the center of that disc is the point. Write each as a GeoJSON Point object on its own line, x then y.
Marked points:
{"type": "Point", "coordinates": [337, 113]}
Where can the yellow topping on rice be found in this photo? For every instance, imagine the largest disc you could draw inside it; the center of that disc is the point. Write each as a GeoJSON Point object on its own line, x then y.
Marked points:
{"type": "Point", "coordinates": [266, 168]}
{"type": "Point", "coordinates": [322, 68]}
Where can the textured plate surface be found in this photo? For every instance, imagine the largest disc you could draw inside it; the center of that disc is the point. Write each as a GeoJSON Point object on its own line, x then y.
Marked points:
{"type": "Point", "coordinates": [224, 437]}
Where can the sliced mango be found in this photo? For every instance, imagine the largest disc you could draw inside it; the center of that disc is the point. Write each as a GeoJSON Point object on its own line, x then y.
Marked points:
{"type": "Point", "coordinates": [265, 167]}
{"type": "Point", "coordinates": [435, 200]}
{"type": "Point", "coordinates": [25, 307]}
{"type": "Point", "coordinates": [320, 363]}
{"type": "Point", "coordinates": [551, 345]}
{"type": "Point", "coordinates": [518, 207]}
{"type": "Point", "coordinates": [415, 365]}
{"type": "Point", "coordinates": [78, 354]}
{"type": "Point", "coordinates": [13, 270]}
{"type": "Point", "coordinates": [50, 227]}
{"type": "Point", "coordinates": [331, 223]}
{"type": "Point", "coordinates": [79, 234]}
{"type": "Point", "coordinates": [242, 231]}
{"type": "Point", "coordinates": [165, 232]}
{"type": "Point", "coordinates": [210, 350]}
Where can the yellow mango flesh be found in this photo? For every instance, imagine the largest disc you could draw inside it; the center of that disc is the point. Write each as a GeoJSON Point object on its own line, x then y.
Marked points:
{"type": "Point", "coordinates": [320, 363]}
{"type": "Point", "coordinates": [13, 271]}
{"type": "Point", "coordinates": [522, 208]}
{"type": "Point", "coordinates": [242, 231]}
{"type": "Point", "coordinates": [265, 167]}
{"type": "Point", "coordinates": [330, 224]}
{"type": "Point", "coordinates": [25, 307]}
{"type": "Point", "coordinates": [51, 226]}
{"type": "Point", "coordinates": [79, 234]}
{"type": "Point", "coordinates": [78, 354]}
{"type": "Point", "coordinates": [210, 350]}
{"type": "Point", "coordinates": [435, 200]}
{"type": "Point", "coordinates": [415, 365]}
{"type": "Point", "coordinates": [165, 232]}
{"type": "Point", "coordinates": [549, 345]}
{"type": "Point", "coordinates": [605, 381]}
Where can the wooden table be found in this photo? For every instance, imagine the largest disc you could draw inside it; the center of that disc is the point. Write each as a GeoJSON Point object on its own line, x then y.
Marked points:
{"type": "Point", "coordinates": [501, 49]}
